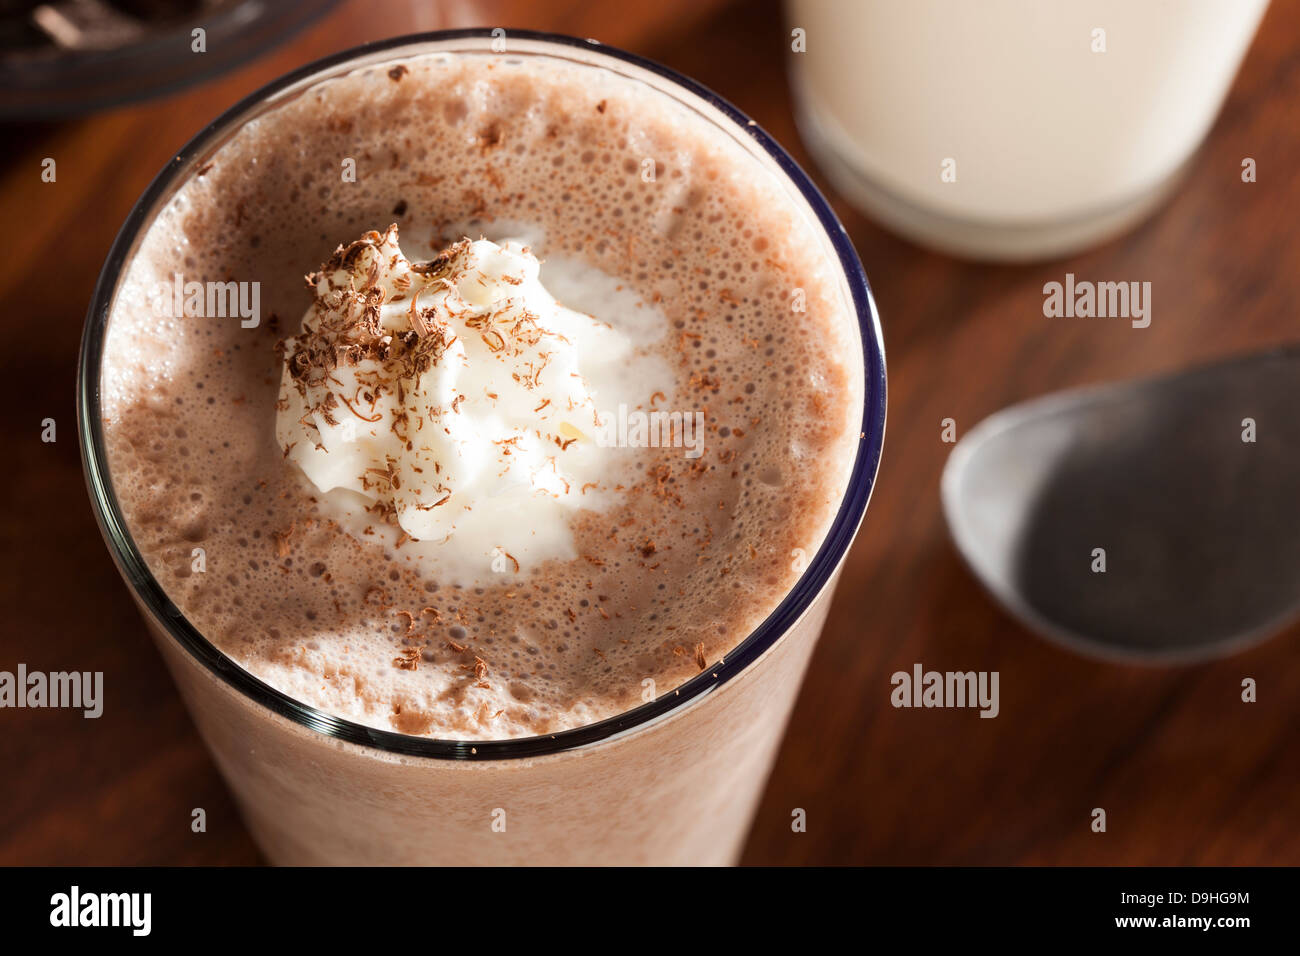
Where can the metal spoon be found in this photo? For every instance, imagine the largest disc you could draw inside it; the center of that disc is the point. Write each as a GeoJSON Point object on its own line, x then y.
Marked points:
{"type": "Point", "coordinates": [1196, 526]}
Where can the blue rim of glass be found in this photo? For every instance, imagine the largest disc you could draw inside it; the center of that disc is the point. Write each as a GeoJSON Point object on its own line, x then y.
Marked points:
{"type": "Point", "coordinates": [148, 591]}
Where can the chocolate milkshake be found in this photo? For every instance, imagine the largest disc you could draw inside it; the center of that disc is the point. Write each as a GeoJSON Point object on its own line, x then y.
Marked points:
{"type": "Point", "coordinates": [568, 403]}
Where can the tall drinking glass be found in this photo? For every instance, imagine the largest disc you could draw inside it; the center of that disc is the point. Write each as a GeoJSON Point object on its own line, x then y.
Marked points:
{"type": "Point", "coordinates": [674, 781]}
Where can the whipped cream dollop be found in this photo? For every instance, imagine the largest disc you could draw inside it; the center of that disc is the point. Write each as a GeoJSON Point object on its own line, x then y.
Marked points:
{"type": "Point", "coordinates": [449, 395]}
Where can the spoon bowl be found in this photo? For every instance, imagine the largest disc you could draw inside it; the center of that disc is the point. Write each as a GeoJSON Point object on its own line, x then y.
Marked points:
{"type": "Point", "coordinates": [1155, 521]}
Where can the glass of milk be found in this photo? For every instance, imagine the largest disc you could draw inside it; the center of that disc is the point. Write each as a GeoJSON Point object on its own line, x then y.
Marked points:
{"type": "Point", "coordinates": [1011, 129]}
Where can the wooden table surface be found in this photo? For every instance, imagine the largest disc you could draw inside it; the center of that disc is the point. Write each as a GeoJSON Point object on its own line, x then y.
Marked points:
{"type": "Point", "coordinates": [1188, 773]}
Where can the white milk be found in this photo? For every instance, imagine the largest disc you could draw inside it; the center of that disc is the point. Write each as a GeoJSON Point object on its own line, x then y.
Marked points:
{"type": "Point", "coordinates": [1012, 129]}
